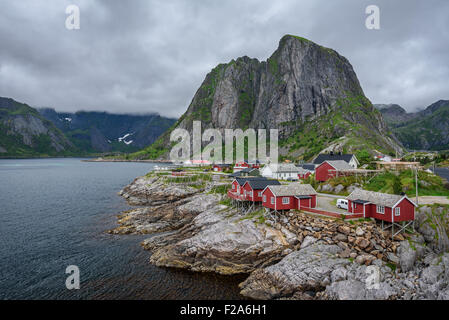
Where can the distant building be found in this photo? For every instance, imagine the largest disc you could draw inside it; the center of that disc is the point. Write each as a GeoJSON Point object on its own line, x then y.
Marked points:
{"type": "Point", "coordinates": [240, 165]}
{"type": "Point", "coordinates": [280, 171]}
{"type": "Point", "coordinates": [332, 169]}
{"type": "Point", "coordinates": [303, 173]}
{"type": "Point", "coordinates": [247, 172]}
{"type": "Point", "coordinates": [397, 165]}
{"type": "Point", "coordinates": [351, 159]}
{"type": "Point", "coordinates": [307, 166]}
{"type": "Point", "coordinates": [221, 167]}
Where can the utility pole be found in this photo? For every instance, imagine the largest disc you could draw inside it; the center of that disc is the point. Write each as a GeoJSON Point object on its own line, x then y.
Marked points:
{"type": "Point", "coordinates": [416, 187]}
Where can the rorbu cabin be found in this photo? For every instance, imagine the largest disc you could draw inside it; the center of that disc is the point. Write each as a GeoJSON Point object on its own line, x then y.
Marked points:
{"type": "Point", "coordinates": [253, 188]}
{"type": "Point", "coordinates": [287, 197]}
{"type": "Point", "coordinates": [382, 206]}
{"type": "Point", "coordinates": [332, 169]}
{"type": "Point", "coordinates": [236, 191]}
{"type": "Point", "coordinates": [350, 159]}
{"type": "Point", "coordinates": [303, 173]}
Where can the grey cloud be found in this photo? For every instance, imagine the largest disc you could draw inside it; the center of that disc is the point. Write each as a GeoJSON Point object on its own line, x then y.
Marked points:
{"type": "Point", "coordinates": [151, 56]}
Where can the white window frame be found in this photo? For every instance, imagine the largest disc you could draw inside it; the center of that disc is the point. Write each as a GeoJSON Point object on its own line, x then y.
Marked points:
{"type": "Point", "coordinates": [259, 194]}
{"type": "Point", "coordinates": [397, 211]}
{"type": "Point", "coordinates": [380, 209]}
{"type": "Point", "coordinates": [233, 187]}
{"type": "Point", "coordinates": [272, 200]}
{"type": "Point", "coordinates": [251, 194]}
{"type": "Point", "coordinates": [264, 198]}
{"type": "Point", "coordinates": [286, 200]}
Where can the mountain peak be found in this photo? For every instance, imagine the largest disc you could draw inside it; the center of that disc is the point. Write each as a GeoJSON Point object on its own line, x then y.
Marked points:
{"type": "Point", "coordinates": [303, 89]}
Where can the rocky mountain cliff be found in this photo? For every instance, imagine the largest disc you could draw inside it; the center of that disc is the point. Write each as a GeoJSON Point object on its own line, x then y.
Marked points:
{"type": "Point", "coordinates": [309, 92]}
{"type": "Point", "coordinates": [424, 130]}
{"type": "Point", "coordinates": [25, 133]}
{"type": "Point", "coordinates": [103, 132]}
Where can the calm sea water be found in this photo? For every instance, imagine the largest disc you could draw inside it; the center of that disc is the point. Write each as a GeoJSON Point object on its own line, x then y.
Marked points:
{"type": "Point", "coordinates": [54, 213]}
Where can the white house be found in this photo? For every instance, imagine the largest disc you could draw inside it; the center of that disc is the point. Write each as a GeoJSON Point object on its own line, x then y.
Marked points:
{"type": "Point", "coordinates": [280, 171]}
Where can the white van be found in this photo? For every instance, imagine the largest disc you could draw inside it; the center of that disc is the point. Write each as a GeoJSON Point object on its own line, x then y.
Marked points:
{"type": "Point", "coordinates": [342, 204]}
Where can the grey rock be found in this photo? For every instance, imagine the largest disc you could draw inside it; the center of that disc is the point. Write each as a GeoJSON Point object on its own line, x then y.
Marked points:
{"type": "Point", "coordinates": [308, 240]}
{"type": "Point", "coordinates": [308, 269]}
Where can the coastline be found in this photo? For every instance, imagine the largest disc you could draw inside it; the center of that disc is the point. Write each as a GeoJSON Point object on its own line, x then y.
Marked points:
{"type": "Point", "coordinates": [298, 256]}
{"type": "Point", "coordinates": [125, 160]}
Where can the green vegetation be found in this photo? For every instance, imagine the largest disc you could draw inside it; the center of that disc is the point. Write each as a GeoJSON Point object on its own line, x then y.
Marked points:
{"type": "Point", "coordinates": [226, 201]}
{"type": "Point", "coordinates": [428, 128]}
{"type": "Point", "coordinates": [429, 184]}
{"type": "Point", "coordinates": [364, 156]}
{"type": "Point", "coordinates": [349, 124]}
{"type": "Point", "coordinates": [221, 189]}
{"type": "Point", "coordinates": [392, 183]}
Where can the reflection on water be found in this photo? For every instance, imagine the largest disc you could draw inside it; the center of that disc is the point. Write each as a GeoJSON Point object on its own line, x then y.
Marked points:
{"type": "Point", "coordinates": [53, 213]}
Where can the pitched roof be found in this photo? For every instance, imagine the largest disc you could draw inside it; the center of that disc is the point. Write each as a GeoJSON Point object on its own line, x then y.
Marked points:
{"type": "Point", "coordinates": [292, 189]}
{"type": "Point", "coordinates": [306, 166]}
{"type": "Point", "coordinates": [340, 165]}
{"type": "Point", "coordinates": [222, 165]}
{"type": "Point", "coordinates": [377, 198]}
{"type": "Point", "coordinates": [248, 170]}
{"type": "Point", "coordinates": [332, 157]}
{"type": "Point", "coordinates": [303, 171]}
{"type": "Point", "coordinates": [241, 181]}
{"type": "Point", "coordinates": [261, 184]}
{"type": "Point", "coordinates": [283, 167]}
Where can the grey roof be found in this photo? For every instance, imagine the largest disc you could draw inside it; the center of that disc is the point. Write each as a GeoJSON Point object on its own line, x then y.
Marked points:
{"type": "Point", "coordinates": [307, 166]}
{"type": "Point", "coordinates": [222, 165]}
{"type": "Point", "coordinates": [248, 170]}
{"type": "Point", "coordinates": [303, 171]}
{"type": "Point", "coordinates": [332, 157]}
{"type": "Point", "coordinates": [261, 184]}
{"type": "Point", "coordinates": [340, 165]}
{"type": "Point", "coordinates": [377, 198]}
{"type": "Point", "coordinates": [283, 168]}
{"type": "Point", "coordinates": [241, 181]}
{"type": "Point", "coordinates": [292, 189]}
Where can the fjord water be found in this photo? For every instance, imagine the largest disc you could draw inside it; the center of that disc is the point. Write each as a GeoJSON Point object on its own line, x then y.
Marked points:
{"type": "Point", "coordinates": [54, 213]}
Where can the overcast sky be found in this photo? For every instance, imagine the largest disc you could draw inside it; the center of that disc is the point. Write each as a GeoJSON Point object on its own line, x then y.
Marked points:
{"type": "Point", "coordinates": [151, 56]}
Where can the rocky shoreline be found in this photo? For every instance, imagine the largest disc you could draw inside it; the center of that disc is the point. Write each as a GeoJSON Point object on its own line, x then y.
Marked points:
{"type": "Point", "coordinates": [298, 256]}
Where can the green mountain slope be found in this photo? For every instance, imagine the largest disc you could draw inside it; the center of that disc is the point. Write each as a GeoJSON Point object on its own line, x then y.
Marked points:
{"type": "Point", "coordinates": [423, 130]}
{"type": "Point", "coordinates": [25, 133]}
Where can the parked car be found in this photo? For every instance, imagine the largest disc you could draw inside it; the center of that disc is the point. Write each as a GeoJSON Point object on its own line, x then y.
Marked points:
{"type": "Point", "coordinates": [342, 204]}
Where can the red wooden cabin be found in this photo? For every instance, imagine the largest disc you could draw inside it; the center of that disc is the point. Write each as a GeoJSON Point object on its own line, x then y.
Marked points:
{"type": "Point", "coordinates": [253, 188]}
{"type": "Point", "coordinates": [381, 206]}
{"type": "Point", "coordinates": [331, 169]}
{"type": "Point", "coordinates": [303, 174]}
{"type": "Point", "coordinates": [287, 197]}
{"type": "Point", "coordinates": [236, 191]}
